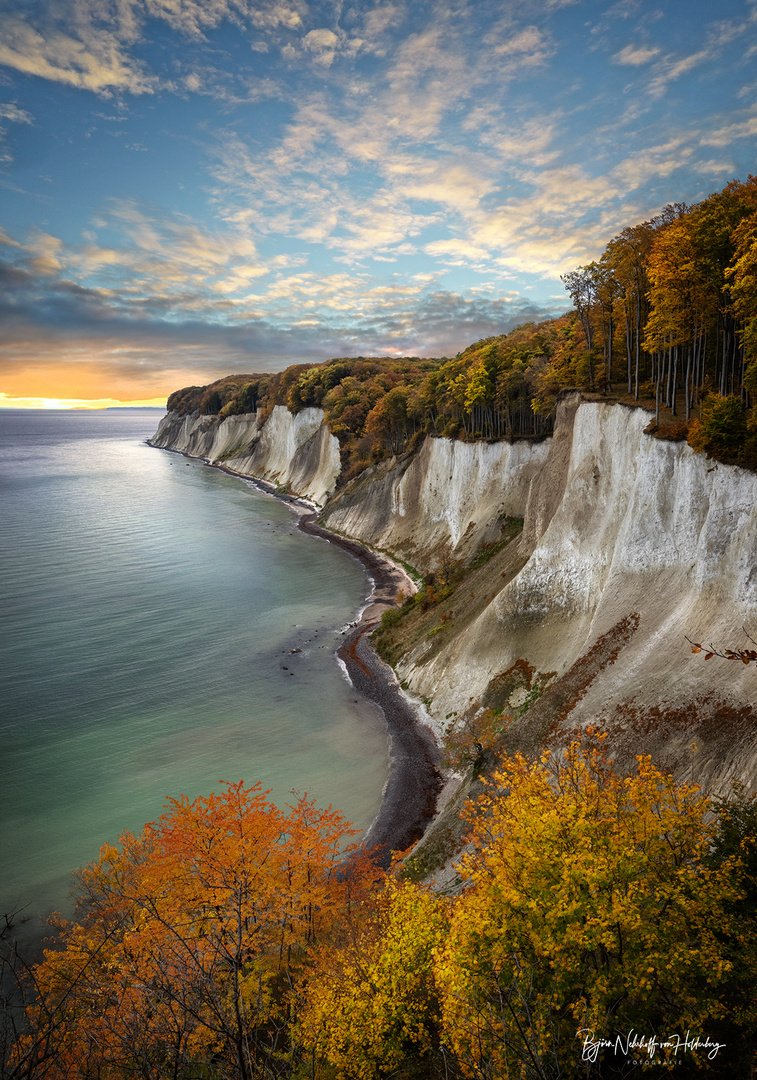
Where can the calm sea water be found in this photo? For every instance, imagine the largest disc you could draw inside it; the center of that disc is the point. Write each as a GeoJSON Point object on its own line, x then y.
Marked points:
{"type": "Point", "coordinates": [150, 609]}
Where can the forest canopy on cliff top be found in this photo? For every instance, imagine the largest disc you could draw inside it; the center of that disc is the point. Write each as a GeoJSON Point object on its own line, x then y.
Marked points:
{"type": "Point", "coordinates": [666, 317]}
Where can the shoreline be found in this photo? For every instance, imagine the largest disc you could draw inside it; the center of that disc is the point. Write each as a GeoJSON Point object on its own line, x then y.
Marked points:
{"type": "Point", "coordinates": [410, 794]}
{"type": "Point", "coordinates": [409, 798]}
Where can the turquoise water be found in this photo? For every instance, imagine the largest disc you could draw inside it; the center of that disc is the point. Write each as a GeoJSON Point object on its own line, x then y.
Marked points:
{"type": "Point", "coordinates": [150, 609]}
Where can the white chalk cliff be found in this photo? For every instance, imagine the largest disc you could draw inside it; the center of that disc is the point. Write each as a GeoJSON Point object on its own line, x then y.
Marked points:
{"type": "Point", "coordinates": [449, 498]}
{"type": "Point", "coordinates": [629, 545]}
{"type": "Point", "coordinates": [294, 452]}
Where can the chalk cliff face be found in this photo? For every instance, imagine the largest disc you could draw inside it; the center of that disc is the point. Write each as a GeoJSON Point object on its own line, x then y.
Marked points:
{"type": "Point", "coordinates": [447, 500]}
{"type": "Point", "coordinates": [629, 545]}
{"type": "Point", "coordinates": [204, 436]}
{"type": "Point", "coordinates": [297, 452]}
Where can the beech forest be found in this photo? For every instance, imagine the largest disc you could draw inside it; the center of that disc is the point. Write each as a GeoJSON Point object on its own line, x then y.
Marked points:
{"type": "Point", "coordinates": [666, 317]}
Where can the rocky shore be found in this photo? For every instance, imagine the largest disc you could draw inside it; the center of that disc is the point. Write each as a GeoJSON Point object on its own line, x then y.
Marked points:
{"type": "Point", "coordinates": [409, 799]}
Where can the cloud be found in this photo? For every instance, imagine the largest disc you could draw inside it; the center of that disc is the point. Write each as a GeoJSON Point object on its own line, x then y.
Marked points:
{"type": "Point", "coordinates": [673, 69]}
{"type": "Point", "coordinates": [45, 254]}
{"type": "Point", "coordinates": [375, 24]}
{"type": "Point", "coordinates": [17, 115]}
{"type": "Point", "coordinates": [517, 141]}
{"type": "Point", "coordinates": [457, 252]}
{"type": "Point", "coordinates": [8, 241]}
{"type": "Point", "coordinates": [323, 44]}
{"type": "Point", "coordinates": [169, 256]}
{"type": "Point", "coordinates": [270, 14]}
{"type": "Point", "coordinates": [529, 41]}
{"type": "Point", "coordinates": [729, 133]}
{"type": "Point", "coordinates": [95, 61]}
{"type": "Point", "coordinates": [636, 55]}
{"type": "Point", "coordinates": [714, 167]}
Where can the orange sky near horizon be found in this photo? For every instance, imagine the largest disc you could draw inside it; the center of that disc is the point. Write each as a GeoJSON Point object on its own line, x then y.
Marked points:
{"type": "Point", "coordinates": [90, 385]}
{"type": "Point", "coordinates": [7, 402]}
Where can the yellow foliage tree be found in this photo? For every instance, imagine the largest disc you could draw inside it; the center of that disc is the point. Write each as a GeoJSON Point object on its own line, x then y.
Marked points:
{"type": "Point", "coordinates": [591, 907]}
{"type": "Point", "coordinates": [370, 1005]}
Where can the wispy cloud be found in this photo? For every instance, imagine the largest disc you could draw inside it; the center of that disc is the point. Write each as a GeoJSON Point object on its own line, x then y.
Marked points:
{"type": "Point", "coordinates": [14, 114]}
{"type": "Point", "coordinates": [671, 68]}
{"type": "Point", "coordinates": [375, 24]}
{"type": "Point", "coordinates": [729, 133]}
{"type": "Point", "coordinates": [17, 115]}
{"type": "Point", "coordinates": [635, 55]}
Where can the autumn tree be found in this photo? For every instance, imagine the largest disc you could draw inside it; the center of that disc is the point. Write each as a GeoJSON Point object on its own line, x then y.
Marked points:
{"type": "Point", "coordinates": [742, 277]}
{"type": "Point", "coordinates": [371, 1008]}
{"type": "Point", "coordinates": [388, 420]}
{"type": "Point", "coordinates": [679, 311]}
{"type": "Point", "coordinates": [187, 942]}
{"type": "Point", "coordinates": [717, 226]}
{"type": "Point", "coordinates": [628, 254]}
{"type": "Point", "coordinates": [722, 428]}
{"type": "Point", "coordinates": [591, 905]}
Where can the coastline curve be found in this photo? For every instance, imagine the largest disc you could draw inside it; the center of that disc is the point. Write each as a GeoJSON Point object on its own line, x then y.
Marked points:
{"type": "Point", "coordinates": [409, 799]}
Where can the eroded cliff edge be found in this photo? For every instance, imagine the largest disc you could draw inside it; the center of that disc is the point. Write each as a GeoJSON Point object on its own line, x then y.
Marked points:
{"type": "Point", "coordinates": [629, 545]}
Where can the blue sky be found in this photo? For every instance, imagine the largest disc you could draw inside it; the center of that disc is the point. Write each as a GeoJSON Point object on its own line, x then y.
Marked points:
{"type": "Point", "coordinates": [194, 187]}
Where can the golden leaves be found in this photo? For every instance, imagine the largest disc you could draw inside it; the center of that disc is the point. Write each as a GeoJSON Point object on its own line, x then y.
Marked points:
{"type": "Point", "coordinates": [590, 902]}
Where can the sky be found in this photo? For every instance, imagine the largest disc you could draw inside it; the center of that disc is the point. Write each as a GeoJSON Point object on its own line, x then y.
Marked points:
{"type": "Point", "coordinates": [191, 188]}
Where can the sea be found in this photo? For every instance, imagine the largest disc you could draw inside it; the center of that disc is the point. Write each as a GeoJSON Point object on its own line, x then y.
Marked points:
{"type": "Point", "coordinates": [164, 627]}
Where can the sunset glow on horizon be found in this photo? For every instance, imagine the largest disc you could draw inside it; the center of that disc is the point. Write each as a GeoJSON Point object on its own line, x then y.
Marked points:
{"type": "Point", "coordinates": [7, 402]}
{"type": "Point", "coordinates": [193, 189]}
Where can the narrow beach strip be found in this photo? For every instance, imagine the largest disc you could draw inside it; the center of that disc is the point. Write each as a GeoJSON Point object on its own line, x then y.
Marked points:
{"type": "Point", "coordinates": [408, 803]}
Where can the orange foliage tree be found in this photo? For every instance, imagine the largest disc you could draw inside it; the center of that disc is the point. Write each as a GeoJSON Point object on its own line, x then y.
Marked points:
{"type": "Point", "coordinates": [188, 941]}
